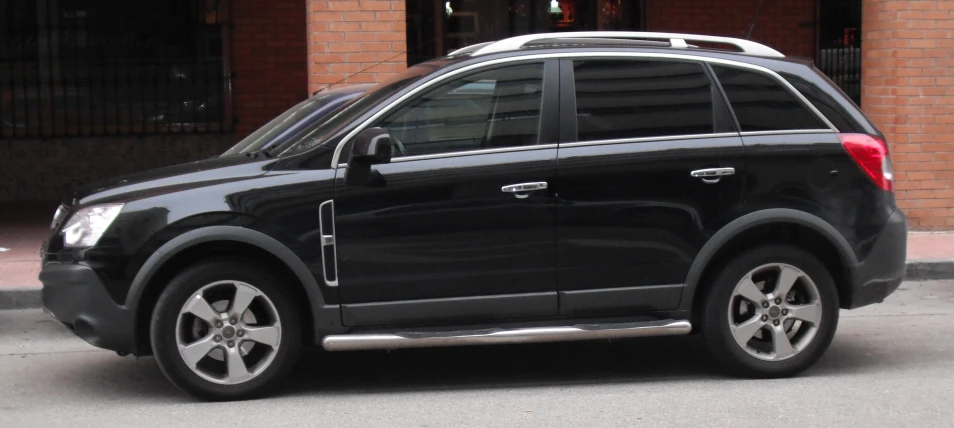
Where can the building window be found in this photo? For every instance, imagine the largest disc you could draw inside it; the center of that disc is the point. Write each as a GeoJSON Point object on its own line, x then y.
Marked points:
{"type": "Point", "coordinates": [112, 67]}
{"type": "Point", "coordinates": [436, 27]}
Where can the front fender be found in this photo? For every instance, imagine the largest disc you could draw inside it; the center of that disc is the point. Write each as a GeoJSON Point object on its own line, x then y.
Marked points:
{"type": "Point", "coordinates": [325, 316]}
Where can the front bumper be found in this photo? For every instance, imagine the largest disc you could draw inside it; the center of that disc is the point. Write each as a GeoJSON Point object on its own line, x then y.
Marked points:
{"type": "Point", "coordinates": [74, 295]}
{"type": "Point", "coordinates": [883, 271]}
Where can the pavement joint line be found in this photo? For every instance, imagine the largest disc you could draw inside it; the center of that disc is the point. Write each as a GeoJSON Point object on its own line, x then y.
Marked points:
{"type": "Point", "coordinates": [848, 315]}
{"type": "Point", "coordinates": [56, 352]}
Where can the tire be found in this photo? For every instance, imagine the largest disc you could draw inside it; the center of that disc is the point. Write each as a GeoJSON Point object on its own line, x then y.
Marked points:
{"type": "Point", "coordinates": [276, 322]}
{"type": "Point", "coordinates": [762, 356]}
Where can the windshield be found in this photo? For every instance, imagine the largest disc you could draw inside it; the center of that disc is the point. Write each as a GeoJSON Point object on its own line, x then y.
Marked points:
{"type": "Point", "coordinates": [319, 132]}
{"type": "Point", "coordinates": [279, 129]}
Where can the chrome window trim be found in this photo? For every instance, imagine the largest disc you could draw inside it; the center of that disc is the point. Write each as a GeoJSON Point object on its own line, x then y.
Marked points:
{"type": "Point", "coordinates": [474, 152]}
{"type": "Point", "coordinates": [648, 139]}
{"type": "Point", "coordinates": [335, 159]}
{"type": "Point", "coordinates": [463, 153]}
{"type": "Point", "coordinates": [787, 131]}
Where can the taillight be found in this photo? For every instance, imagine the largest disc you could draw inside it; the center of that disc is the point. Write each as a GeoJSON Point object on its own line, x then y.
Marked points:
{"type": "Point", "coordinates": [871, 154]}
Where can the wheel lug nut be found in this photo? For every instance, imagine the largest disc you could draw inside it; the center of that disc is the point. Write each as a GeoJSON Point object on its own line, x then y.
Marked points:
{"type": "Point", "coordinates": [233, 320]}
{"type": "Point", "coordinates": [778, 300]}
{"type": "Point", "coordinates": [784, 311]}
{"type": "Point", "coordinates": [231, 344]}
{"type": "Point", "coordinates": [773, 322]}
{"type": "Point", "coordinates": [217, 338]}
{"type": "Point", "coordinates": [241, 333]}
{"type": "Point", "coordinates": [764, 318]}
{"type": "Point", "coordinates": [765, 304]}
{"type": "Point", "coordinates": [218, 324]}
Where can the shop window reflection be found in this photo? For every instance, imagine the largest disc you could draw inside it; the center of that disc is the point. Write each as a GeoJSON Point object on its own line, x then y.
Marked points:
{"type": "Point", "coordinates": [436, 27]}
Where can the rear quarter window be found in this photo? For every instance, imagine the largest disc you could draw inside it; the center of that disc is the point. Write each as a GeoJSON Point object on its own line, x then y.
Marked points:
{"type": "Point", "coordinates": [825, 103]}
{"type": "Point", "coordinates": [761, 103]}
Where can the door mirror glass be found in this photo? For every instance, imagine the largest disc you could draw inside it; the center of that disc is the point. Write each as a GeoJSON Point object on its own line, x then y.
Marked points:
{"type": "Point", "coordinates": [371, 146]}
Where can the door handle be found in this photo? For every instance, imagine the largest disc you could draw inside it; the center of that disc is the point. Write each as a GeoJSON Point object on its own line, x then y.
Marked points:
{"type": "Point", "coordinates": [712, 175]}
{"type": "Point", "coordinates": [520, 190]}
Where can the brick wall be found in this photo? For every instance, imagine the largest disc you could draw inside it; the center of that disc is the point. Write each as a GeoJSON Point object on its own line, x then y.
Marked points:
{"type": "Point", "coordinates": [908, 91]}
{"type": "Point", "coordinates": [47, 170]}
{"type": "Point", "coordinates": [786, 25]}
{"type": "Point", "coordinates": [268, 59]}
{"type": "Point", "coordinates": [347, 36]}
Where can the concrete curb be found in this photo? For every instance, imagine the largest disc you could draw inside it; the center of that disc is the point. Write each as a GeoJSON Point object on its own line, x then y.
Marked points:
{"type": "Point", "coordinates": [922, 270]}
{"type": "Point", "coordinates": [916, 270]}
{"type": "Point", "coordinates": [20, 298]}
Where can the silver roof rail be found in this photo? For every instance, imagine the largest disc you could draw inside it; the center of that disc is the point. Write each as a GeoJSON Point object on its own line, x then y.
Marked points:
{"type": "Point", "coordinates": [675, 40]}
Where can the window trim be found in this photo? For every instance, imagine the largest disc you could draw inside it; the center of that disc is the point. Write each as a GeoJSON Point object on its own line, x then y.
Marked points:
{"type": "Point", "coordinates": [567, 55]}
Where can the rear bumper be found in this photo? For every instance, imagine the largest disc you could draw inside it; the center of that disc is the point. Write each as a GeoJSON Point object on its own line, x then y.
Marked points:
{"type": "Point", "coordinates": [74, 295]}
{"type": "Point", "coordinates": [883, 271]}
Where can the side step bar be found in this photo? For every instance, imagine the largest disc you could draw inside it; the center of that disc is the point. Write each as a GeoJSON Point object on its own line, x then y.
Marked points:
{"type": "Point", "coordinates": [360, 342]}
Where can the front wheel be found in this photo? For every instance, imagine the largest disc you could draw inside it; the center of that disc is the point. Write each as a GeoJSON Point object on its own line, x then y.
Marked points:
{"type": "Point", "coordinates": [771, 312]}
{"type": "Point", "coordinates": [225, 330]}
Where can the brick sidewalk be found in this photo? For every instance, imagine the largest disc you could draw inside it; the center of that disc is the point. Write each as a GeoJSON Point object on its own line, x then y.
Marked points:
{"type": "Point", "coordinates": [22, 232]}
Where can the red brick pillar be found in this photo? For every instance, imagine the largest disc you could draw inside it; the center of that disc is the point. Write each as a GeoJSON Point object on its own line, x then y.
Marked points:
{"type": "Point", "coordinates": [908, 91]}
{"type": "Point", "coordinates": [347, 36]}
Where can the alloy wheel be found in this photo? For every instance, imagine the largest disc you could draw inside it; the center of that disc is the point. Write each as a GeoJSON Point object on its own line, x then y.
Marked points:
{"type": "Point", "coordinates": [228, 332]}
{"type": "Point", "coordinates": [775, 312]}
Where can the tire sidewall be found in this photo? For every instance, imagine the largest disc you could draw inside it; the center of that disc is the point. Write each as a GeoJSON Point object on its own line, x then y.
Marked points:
{"type": "Point", "coordinates": [165, 317]}
{"type": "Point", "coordinates": [716, 317]}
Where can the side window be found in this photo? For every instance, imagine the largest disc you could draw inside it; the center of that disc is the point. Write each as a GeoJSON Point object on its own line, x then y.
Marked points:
{"type": "Point", "coordinates": [489, 109]}
{"type": "Point", "coordinates": [761, 103]}
{"type": "Point", "coordinates": [638, 98]}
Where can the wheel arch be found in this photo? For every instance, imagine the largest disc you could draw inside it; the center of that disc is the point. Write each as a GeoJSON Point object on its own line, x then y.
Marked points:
{"type": "Point", "coordinates": [227, 241]}
{"type": "Point", "coordinates": [799, 227]}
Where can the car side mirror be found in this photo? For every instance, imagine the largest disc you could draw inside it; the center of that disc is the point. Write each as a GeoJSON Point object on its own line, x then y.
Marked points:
{"type": "Point", "coordinates": [371, 146]}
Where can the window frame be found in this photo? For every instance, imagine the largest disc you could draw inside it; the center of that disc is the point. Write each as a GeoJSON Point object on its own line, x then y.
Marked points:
{"type": "Point", "coordinates": [723, 121]}
{"type": "Point", "coordinates": [786, 86]}
{"type": "Point", "coordinates": [400, 107]}
{"type": "Point", "coordinates": [547, 128]}
{"type": "Point", "coordinates": [560, 93]}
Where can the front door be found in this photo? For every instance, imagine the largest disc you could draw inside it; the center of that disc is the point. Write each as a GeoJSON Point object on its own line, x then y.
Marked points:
{"type": "Point", "coordinates": [652, 168]}
{"type": "Point", "coordinates": [437, 234]}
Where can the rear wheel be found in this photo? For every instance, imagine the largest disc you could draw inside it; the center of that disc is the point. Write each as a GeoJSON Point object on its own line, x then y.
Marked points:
{"type": "Point", "coordinates": [771, 312]}
{"type": "Point", "coordinates": [225, 330]}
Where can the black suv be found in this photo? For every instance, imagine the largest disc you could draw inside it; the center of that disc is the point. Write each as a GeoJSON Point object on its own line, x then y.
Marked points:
{"type": "Point", "coordinates": [548, 187]}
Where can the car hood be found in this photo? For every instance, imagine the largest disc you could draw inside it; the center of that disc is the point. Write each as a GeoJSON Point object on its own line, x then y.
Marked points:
{"type": "Point", "coordinates": [171, 179]}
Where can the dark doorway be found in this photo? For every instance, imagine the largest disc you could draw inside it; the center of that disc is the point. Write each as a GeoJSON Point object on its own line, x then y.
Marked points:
{"type": "Point", "coordinates": [839, 37]}
{"type": "Point", "coordinates": [436, 27]}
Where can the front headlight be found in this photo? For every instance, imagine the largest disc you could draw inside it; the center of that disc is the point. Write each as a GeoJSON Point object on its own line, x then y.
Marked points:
{"type": "Point", "coordinates": [88, 225]}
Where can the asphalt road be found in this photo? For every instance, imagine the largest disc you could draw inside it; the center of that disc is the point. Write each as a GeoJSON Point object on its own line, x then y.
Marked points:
{"type": "Point", "coordinates": [890, 365]}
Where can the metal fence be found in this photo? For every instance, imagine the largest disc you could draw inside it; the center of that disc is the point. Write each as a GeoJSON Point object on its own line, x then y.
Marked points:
{"type": "Point", "coordinates": [843, 66]}
{"type": "Point", "coordinates": [113, 67]}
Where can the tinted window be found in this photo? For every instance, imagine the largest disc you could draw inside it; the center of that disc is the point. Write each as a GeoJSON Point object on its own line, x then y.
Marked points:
{"type": "Point", "coordinates": [761, 103]}
{"type": "Point", "coordinates": [489, 109]}
{"type": "Point", "coordinates": [826, 104]}
{"type": "Point", "coordinates": [632, 99]}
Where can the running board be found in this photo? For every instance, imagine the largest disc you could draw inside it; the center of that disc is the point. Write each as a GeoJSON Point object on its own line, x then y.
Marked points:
{"type": "Point", "coordinates": [360, 342]}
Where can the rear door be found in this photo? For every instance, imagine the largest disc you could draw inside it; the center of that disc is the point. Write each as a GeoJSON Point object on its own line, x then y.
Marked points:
{"type": "Point", "coordinates": [650, 166]}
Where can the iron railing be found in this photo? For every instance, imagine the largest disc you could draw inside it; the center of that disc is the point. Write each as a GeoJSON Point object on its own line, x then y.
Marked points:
{"type": "Point", "coordinates": [843, 66]}
{"type": "Point", "coordinates": [113, 67]}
